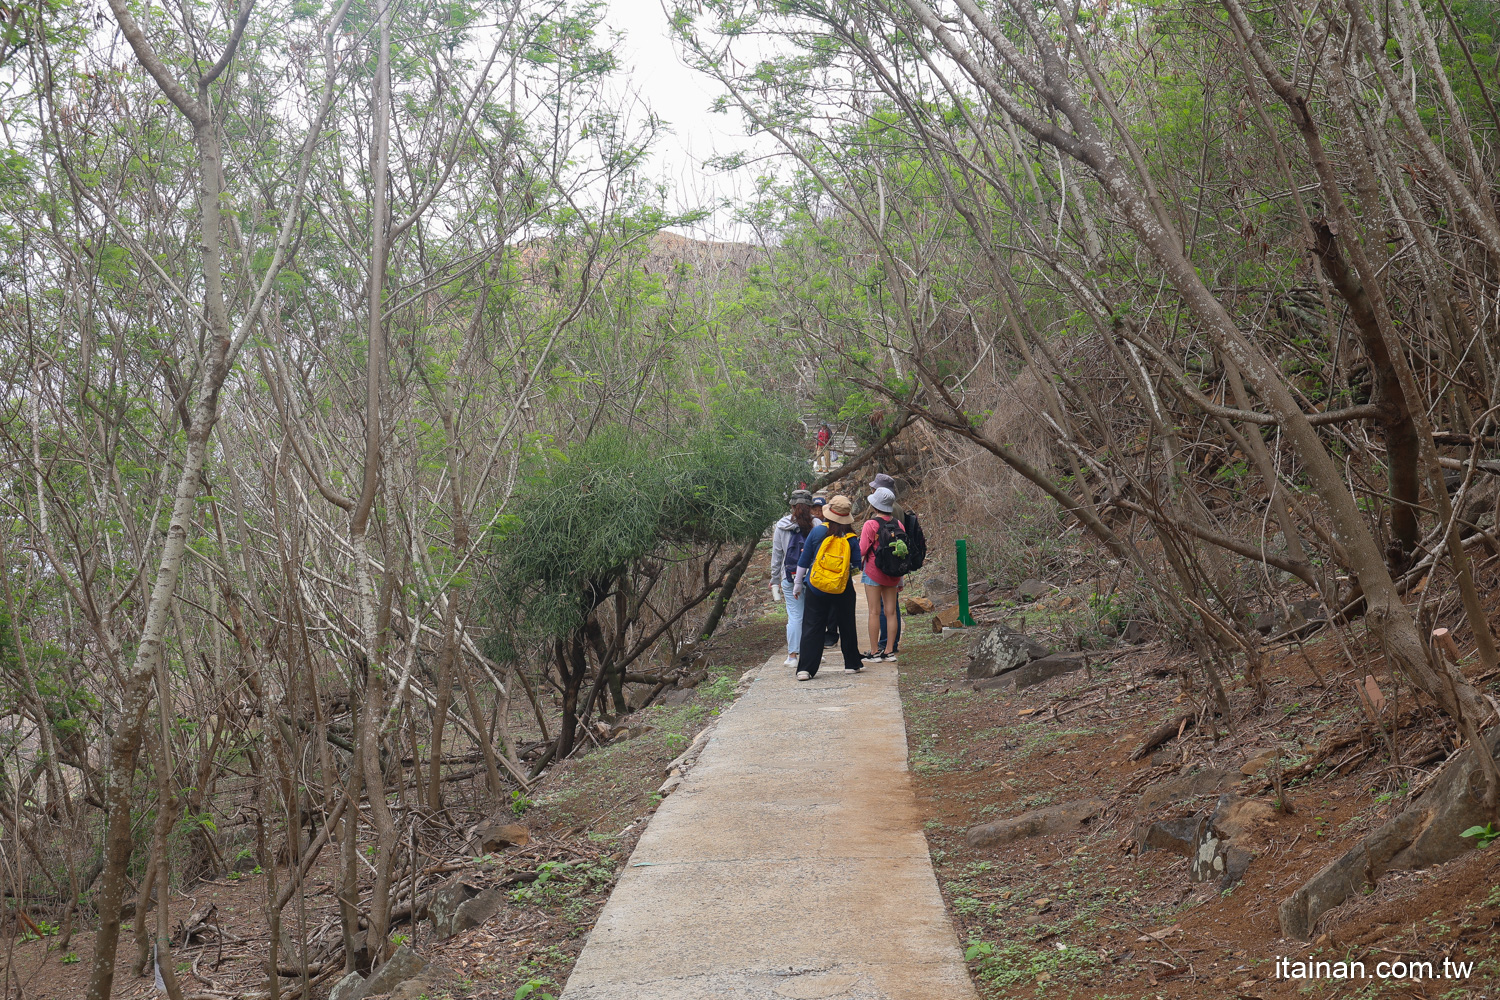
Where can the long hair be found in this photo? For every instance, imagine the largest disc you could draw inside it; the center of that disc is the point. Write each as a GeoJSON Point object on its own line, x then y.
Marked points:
{"type": "Point", "coordinates": [839, 528]}
{"type": "Point", "coordinates": [802, 517]}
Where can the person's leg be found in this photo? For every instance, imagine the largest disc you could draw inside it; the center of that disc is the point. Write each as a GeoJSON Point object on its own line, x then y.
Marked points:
{"type": "Point", "coordinates": [795, 608]}
{"type": "Point", "coordinates": [872, 606]}
{"type": "Point", "coordinates": [890, 599]}
{"type": "Point", "coordinates": [814, 619]}
{"type": "Point", "coordinates": [843, 611]}
{"type": "Point", "coordinates": [883, 627]}
{"type": "Point", "coordinates": [896, 643]}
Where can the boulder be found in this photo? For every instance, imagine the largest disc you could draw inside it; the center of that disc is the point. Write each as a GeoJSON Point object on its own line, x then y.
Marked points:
{"type": "Point", "coordinates": [351, 987]}
{"type": "Point", "coordinates": [1426, 833]}
{"type": "Point", "coordinates": [1180, 836]}
{"type": "Point", "coordinates": [1000, 650]}
{"type": "Point", "coordinates": [402, 966]}
{"type": "Point", "coordinates": [1185, 786]}
{"type": "Point", "coordinates": [1046, 668]}
{"type": "Point", "coordinates": [1067, 817]}
{"type": "Point", "coordinates": [919, 606]}
{"type": "Point", "coordinates": [423, 986]}
{"type": "Point", "coordinates": [1235, 815]}
{"type": "Point", "coordinates": [496, 834]}
{"type": "Point", "coordinates": [1215, 858]}
{"type": "Point", "coordinates": [460, 905]}
{"type": "Point", "coordinates": [1030, 590]}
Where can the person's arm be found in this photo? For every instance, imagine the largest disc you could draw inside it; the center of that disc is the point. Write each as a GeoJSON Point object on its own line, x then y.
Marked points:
{"type": "Point", "coordinates": [779, 538]}
{"type": "Point", "coordinates": [810, 547]}
{"type": "Point", "coordinates": [856, 558]}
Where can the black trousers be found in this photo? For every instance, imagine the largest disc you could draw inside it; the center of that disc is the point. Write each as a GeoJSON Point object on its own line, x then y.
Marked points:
{"type": "Point", "coordinates": [821, 609]}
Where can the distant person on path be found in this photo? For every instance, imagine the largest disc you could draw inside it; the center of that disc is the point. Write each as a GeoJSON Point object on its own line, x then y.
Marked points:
{"type": "Point", "coordinates": [787, 539]}
{"type": "Point", "coordinates": [883, 481]}
{"type": "Point", "coordinates": [831, 634]}
{"type": "Point", "coordinates": [829, 556]}
{"type": "Point", "coordinates": [825, 437]}
{"type": "Point", "coordinates": [883, 551]}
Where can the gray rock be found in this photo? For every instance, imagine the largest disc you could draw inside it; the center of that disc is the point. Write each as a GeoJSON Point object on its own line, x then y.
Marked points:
{"type": "Point", "coordinates": [1265, 622]}
{"type": "Point", "coordinates": [1176, 835]}
{"type": "Point", "coordinates": [479, 909]}
{"type": "Point", "coordinates": [1185, 786]}
{"type": "Point", "coordinates": [351, 987]}
{"type": "Point", "coordinates": [1030, 590]}
{"type": "Point", "coordinates": [405, 964]}
{"type": "Point", "coordinates": [442, 910]}
{"type": "Point", "coordinates": [1426, 833]}
{"type": "Point", "coordinates": [1047, 668]}
{"type": "Point", "coordinates": [1215, 858]}
{"type": "Point", "coordinates": [415, 989]}
{"type": "Point", "coordinates": [1234, 815]}
{"type": "Point", "coordinates": [1000, 650]}
{"type": "Point", "coordinates": [458, 906]}
{"type": "Point", "coordinates": [1067, 817]}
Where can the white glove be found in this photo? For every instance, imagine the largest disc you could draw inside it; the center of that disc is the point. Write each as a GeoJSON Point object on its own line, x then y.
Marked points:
{"type": "Point", "coordinates": [797, 591]}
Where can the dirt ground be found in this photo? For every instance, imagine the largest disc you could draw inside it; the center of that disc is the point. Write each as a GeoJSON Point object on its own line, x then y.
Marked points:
{"type": "Point", "coordinates": [584, 819]}
{"type": "Point", "coordinates": [1072, 915]}
{"type": "Point", "coordinates": [1082, 915]}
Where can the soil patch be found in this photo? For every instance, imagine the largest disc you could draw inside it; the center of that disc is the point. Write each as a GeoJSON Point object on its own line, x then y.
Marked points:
{"type": "Point", "coordinates": [1080, 914]}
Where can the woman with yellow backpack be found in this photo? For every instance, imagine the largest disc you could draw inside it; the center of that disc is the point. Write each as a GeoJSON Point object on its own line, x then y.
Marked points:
{"type": "Point", "coordinates": [829, 556]}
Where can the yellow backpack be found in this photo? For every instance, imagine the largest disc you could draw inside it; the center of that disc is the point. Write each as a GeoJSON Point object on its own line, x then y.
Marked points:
{"type": "Point", "coordinates": [830, 567]}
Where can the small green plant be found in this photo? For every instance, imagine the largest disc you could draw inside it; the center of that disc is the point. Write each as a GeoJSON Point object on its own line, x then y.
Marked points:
{"type": "Point", "coordinates": [1483, 836]}
{"type": "Point", "coordinates": [71, 958]}
{"type": "Point", "coordinates": [43, 929]}
{"type": "Point", "coordinates": [530, 988]}
{"type": "Point", "coordinates": [978, 949]}
{"type": "Point", "coordinates": [519, 802]}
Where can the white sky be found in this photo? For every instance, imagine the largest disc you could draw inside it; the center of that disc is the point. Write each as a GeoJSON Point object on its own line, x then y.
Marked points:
{"type": "Point", "coordinates": [658, 77]}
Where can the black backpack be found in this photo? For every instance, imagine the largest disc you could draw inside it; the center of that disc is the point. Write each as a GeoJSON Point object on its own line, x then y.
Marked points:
{"type": "Point", "coordinates": [887, 559]}
{"type": "Point", "coordinates": [916, 543]}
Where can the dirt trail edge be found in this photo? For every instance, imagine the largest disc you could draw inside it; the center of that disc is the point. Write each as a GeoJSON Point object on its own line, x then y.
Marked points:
{"type": "Point", "coordinates": [790, 862]}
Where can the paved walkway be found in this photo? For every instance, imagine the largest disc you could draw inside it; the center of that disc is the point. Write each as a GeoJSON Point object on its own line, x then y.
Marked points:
{"type": "Point", "coordinates": [789, 863]}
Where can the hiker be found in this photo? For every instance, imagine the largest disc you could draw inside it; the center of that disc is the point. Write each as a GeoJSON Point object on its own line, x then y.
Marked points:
{"type": "Point", "coordinates": [883, 481]}
{"type": "Point", "coordinates": [882, 547]}
{"type": "Point", "coordinates": [787, 539]}
{"type": "Point", "coordinates": [829, 556]}
{"type": "Point", "coordinates": [831, 633]}
{"type": "Point", "coordinates": [824, 438]}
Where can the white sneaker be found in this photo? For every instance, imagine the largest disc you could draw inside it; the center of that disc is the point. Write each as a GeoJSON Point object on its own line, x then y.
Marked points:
{"type": "Point", "coordinates": [790, 661]}
{"type": "Point", "coordinates": [803, 675]}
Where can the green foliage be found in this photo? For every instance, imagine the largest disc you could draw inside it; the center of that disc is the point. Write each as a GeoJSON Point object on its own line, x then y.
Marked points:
{"type": "Point", "coordinates": [585, 517]}
{"type": "Point", "coordinates": [530, 987]}
{"type": "Point", "coordinates": [1483, 836]}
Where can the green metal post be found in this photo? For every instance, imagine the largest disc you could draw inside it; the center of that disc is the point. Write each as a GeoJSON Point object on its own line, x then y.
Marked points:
{"type": "Point", "coordinates": [963, 583]}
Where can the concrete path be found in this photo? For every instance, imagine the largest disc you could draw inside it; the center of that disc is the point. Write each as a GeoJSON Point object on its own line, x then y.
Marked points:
{"type": "Point", "coordinates": [789, 863]}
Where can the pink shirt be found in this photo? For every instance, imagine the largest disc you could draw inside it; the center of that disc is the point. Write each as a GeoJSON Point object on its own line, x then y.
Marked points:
{"type": "Point", "coordinates": [867, 536]}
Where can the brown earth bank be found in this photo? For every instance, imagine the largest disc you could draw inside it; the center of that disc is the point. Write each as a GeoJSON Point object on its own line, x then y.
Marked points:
{"type": "Point", "coordinates": [1082, 914]}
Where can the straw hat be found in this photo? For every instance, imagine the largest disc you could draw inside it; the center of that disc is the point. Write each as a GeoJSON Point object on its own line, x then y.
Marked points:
{"type": "Point", "coordinates": [839, 509]}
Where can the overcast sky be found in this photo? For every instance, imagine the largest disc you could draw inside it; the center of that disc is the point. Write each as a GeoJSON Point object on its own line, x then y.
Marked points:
{"type": "Point", "coordinates": [682, 96]}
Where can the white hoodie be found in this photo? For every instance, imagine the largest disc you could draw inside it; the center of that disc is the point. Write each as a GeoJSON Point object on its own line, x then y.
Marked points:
{"type": "Point", "coordinates": [780, 536]}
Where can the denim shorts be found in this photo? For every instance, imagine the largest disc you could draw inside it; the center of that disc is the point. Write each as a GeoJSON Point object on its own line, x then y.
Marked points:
{"type": "Point", "coordinates": [864, 578]}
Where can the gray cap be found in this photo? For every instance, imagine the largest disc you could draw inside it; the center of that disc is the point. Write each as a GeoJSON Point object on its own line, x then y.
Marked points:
{"type": "Point", "coordinates": [800, 497]}
{"type": "Point", "coordinates": [882, 500]}
{"type": "Point", "coordinates": [882, 480]}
